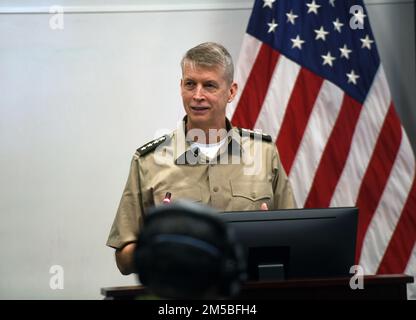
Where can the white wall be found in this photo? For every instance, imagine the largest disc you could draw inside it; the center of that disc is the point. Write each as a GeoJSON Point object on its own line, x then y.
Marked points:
{"type": "Point", "coordinates": [76, 103]}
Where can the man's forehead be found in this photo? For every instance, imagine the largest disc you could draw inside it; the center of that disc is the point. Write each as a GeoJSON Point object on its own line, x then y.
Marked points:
{"type": "Point", "coordinates": [195, 70]}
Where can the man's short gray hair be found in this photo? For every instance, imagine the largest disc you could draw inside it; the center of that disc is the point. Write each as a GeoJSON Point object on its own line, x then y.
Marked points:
{"type": "Point", "coordinates": [210, 55]}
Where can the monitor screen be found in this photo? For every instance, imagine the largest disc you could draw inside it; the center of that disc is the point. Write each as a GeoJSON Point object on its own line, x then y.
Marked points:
{"type": "Point", "coordinates": [296, 243]}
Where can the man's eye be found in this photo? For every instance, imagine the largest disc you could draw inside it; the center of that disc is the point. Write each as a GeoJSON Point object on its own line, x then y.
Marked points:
{"type": "Point", "coordinates": [210, 86]}
{"type": "Point", "coordinates": [189, 84]}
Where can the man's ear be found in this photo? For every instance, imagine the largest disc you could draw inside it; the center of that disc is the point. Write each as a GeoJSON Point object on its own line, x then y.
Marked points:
{"type": "Point", "coordinates": [233, 91]}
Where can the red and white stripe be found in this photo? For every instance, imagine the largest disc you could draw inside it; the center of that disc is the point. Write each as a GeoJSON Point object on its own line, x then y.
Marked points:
{"type": "Point", "coordinates": [336, 151]}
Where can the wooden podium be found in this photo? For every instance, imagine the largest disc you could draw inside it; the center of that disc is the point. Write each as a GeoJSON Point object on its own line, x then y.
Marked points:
{"type": "Point", "coordinates": [391, 287]}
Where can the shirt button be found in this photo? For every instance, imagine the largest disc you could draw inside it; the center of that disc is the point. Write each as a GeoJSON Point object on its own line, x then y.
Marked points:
{"type": "Point", "coordinates": [215, 189]}
{"type": "Point", "coordinates": [253, 194]}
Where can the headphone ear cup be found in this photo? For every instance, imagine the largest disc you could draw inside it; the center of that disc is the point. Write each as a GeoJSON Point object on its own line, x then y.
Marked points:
{"type": "Point", "coordinates": [171, 237]}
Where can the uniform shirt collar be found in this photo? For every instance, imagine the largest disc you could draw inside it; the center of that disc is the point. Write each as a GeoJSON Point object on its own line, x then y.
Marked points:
{"type": "Point", "coordinates": [185, 154]}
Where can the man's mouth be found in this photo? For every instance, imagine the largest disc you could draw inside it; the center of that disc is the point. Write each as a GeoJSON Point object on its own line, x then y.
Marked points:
{"type": "Point", "coordinates": [199, 108]}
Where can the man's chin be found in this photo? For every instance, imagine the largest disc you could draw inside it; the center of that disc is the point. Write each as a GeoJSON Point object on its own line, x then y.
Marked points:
{"type": "Point", "coordinates": [197, 121]}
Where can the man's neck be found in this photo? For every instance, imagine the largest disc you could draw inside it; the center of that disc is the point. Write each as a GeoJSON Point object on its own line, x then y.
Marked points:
{"type": "Point", "coordinates": [211, 134]}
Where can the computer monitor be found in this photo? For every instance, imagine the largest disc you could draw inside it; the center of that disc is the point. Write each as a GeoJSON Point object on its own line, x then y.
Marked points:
{"type": "Point", "coordinates": [296, 243]}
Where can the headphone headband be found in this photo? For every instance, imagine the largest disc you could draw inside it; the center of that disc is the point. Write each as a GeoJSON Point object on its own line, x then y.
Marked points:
{"type": "Point", "coordinates": [187, 240]}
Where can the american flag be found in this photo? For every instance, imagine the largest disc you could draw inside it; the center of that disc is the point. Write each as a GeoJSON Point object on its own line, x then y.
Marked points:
{"type": "Point", "coordinates": [310, 75]}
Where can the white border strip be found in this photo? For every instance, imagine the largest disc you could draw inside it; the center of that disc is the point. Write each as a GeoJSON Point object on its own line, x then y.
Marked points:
{"type": "Point", "coordinates": [242, 5]}
{"type": "Point", "coordinates": [131, 8]}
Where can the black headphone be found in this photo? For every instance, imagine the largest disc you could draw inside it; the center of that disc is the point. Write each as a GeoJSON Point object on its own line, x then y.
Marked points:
{"type": "Point", "coordinates": [185, 250]}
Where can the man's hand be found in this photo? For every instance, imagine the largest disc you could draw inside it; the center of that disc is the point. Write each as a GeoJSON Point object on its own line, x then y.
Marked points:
{"type": "Point", "coordinates": [264, 206]}
{"type": "Point", "coordinates": [125, 259]}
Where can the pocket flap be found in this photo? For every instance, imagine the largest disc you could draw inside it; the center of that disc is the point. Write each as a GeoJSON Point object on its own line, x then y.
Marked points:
{"type": "Point", "coordinates": [251, 190]}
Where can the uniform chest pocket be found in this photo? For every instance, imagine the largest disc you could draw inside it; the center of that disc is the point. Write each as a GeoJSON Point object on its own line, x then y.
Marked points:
{"type": "Point", "coordinates": [189, 194]}
{"type": "Point", "coordinates": [249, 195]}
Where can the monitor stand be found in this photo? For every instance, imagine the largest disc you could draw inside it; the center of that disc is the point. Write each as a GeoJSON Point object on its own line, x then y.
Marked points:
{"type": "Point", "coordinates": [268, 272]}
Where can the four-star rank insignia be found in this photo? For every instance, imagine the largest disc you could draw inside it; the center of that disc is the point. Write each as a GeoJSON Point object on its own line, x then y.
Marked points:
{"type": "Point", "coordinates": [252, 134]}
{"type": "Point", "coordinates": [152, 145]}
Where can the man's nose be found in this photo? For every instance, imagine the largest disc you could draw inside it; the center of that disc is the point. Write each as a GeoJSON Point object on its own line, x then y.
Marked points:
{"type": "Point", "coordinates": [199, 93]}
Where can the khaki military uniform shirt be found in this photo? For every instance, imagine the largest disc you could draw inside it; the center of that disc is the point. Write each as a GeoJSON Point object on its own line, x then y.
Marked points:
{"type": "Point", "coordinates": [246, 173]}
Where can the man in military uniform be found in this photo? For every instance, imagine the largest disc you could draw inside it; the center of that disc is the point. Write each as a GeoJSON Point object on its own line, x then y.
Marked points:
{"type": "Point", "coordinates": [204, 160]}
